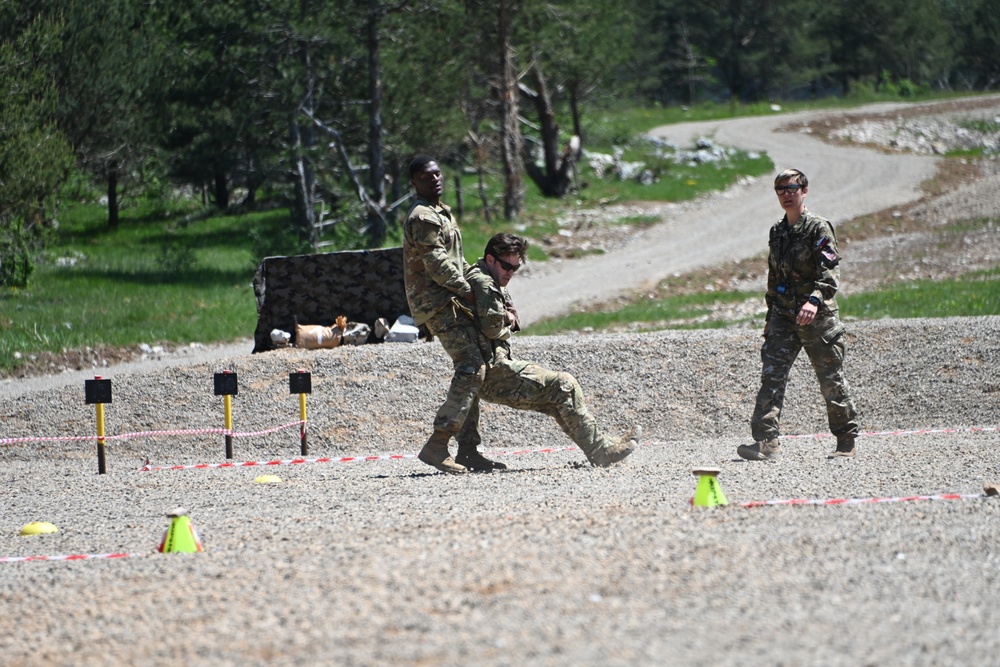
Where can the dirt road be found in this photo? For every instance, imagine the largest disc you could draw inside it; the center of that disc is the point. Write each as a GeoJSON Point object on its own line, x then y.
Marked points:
{"type": "Point", "coordinates": [846, 182]}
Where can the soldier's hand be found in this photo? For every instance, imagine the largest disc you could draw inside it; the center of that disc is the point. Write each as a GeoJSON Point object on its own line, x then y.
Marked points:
{"type": "Point", "coordinates": [806, 314]}
{"type": "Point", "coordinates": [512, 318]}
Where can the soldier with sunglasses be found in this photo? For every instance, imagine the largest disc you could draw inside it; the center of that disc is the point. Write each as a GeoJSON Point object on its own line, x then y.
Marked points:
{"type": "Point", "coordinates": [524, 385]}
{"type": "Point", "coordinates": [803, 275]}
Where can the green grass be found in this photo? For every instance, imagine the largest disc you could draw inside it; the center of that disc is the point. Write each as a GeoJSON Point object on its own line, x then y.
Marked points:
{"type": "Point", "coordinates": [977, 294]}
{"type": "Point", "coordinates": [183, 281]}
{"type": "Point", "coordinates": [675, 312]}
{"type": "Point", "coordinates": [984, 125]}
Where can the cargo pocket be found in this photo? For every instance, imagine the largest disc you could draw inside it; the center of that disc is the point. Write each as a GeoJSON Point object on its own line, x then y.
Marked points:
{"type": "Point", "coordinates": [837, 331]}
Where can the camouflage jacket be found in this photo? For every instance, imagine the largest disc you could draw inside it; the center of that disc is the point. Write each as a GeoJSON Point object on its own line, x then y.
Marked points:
{"type": "Point", "coordinates": [802, 262]}
{"type": "Point", "coordinates": [433, 264]}
{"type": "Point", "coordinates": [491, 310]}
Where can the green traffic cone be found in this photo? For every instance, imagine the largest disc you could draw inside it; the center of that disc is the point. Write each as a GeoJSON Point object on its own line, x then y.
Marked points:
{"type": "Point", "coordinates": [181, 535]}
{"type": "Point", "coordinates": [708, 493]}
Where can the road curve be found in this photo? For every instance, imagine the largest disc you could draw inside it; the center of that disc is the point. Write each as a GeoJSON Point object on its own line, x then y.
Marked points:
{"type": "Point", "coordinates": [845, 182]}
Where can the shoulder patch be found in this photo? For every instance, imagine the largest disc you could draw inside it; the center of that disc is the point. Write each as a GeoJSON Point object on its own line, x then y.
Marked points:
{"type": "Point", "coordinates": [826, 249]}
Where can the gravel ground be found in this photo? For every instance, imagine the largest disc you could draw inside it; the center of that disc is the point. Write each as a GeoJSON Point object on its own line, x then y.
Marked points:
{"type": "Point", "coordinates": [550, 563]}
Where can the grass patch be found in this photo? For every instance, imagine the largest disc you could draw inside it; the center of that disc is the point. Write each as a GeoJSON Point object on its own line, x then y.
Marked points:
{"type": "Point", "coordinates": [186, 280]}
{"type": "Point", "coordinates": [983, 125]}
{"type": "Point", "coordinates": [975, 295]}
{"type": "Point", "coordinates": [685, 311]}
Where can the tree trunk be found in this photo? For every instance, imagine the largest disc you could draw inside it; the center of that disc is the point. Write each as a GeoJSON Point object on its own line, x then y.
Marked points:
{"type": "Point", "coordinates": [255, 178]}
{"type": "Point", "coordinates": [574, 108]}
{"type": "Point", "coordinates": [690, 62]}
{"type": "Point", "coordinates": [304, 210]}
{"type": "Point", "coordinates": [113, 196]}
{"type": "Point", "coordinates": [221, 190]}
{"type": "Point", "coordinates": [483, 196]}
{"type": "Point", "coordinates": [302, 140]}
{"type": "Point", "coordinates": [376, 160]}
{"type": "Point", "coordinates": [510, 144]}
{"type": "Point", "coordinates": [555, 178]}
{"type": "Point", "coordinates": [459, 199]}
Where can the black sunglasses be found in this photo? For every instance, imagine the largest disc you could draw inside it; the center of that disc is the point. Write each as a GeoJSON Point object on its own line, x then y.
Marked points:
{"type": "Point", "coordinates": [507, 266]}
{"type": "Point", "coordinates": [791, 188]}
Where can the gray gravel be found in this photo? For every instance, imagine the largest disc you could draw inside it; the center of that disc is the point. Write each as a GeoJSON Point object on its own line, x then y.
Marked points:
{"type": "Point", "coordinates": [551, 563]}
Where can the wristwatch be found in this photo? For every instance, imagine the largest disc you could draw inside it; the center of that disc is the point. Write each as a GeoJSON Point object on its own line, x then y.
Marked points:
{"type": "Point", "coordinates": [814, 300]}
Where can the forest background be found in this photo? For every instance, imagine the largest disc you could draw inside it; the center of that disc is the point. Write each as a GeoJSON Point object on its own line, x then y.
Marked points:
{"type": "Point", "coordinates": [294, 120]}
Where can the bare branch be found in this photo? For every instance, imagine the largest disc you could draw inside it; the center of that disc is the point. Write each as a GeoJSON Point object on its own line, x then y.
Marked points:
{"type": "Point", "coordinates": [345, 160]}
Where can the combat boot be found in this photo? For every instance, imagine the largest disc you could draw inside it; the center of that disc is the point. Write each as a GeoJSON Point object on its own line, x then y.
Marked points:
{"type": "Point", "coordinates": [765, 450]}
{"type": "Point", "coordinates": [845, 448]}
{"type": "Point", "coordinates": [435, 453]}
{"type": "Point", "coordinates": [473, 460]}
{"type": "Point", "coordinates": [615, 451]}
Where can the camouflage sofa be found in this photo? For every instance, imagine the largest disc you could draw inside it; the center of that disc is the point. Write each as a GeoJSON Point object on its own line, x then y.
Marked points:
{"type": "Point", "coordinates": [363, 285]}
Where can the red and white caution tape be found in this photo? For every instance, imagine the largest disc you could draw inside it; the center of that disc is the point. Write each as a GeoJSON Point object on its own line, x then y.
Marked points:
{"type": "Point", "coordinates": [282, 462]}
{"type": "Point", "coordinates": [547, 450]}
{"type": "Point", "coordinates": [385, 457]}
{"type": "Point", "coordinates": [24, 559]}
{"type": "Point", "coordinates": [862, 501]}
{"type": "Point", "coordinates": [251, 434]}
{"type": "Point", "coordinates": [150, 434]}
{"type": "Point", "coordinates": [327, 459]}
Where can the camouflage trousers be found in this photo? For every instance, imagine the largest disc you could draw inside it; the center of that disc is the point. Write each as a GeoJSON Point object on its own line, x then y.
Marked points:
{"type": "Point", "coordinates": [527, 386]}
{"type": "Point", "coordinates": [825, 345]}
{"type": "Point", "coordinates": [460, 338]}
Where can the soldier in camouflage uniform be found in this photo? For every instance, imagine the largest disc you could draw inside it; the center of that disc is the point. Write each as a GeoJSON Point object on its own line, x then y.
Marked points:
{"type": "Point", "coordinates": [802, 280]}
{"type": "Point", "coordinates": [440, 297]}
{"type": "Point", "coordinates": [521, 384]}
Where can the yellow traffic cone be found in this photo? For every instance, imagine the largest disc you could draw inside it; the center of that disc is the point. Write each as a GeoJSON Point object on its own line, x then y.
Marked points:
{"type": "Point", "coordinates": [39, 528]}
{"type": "Point", "coordinates": [708, 493]}
{"type": "Point", "coordinates": [181, 535]}
{"type": "Point", "coordinates": [267, 479]}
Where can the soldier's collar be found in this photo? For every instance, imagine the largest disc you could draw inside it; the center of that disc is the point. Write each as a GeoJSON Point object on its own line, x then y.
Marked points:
{"type": "Point", "coordinates": [437, 207]}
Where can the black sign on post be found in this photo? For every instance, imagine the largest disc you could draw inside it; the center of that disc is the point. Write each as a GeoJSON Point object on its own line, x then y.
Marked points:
{"type": "Point", "coordinates": [300, 383]}
{"type": "Point", "coordinates": [96, 391]}
{"type": "Point", "coordinates": [226, 384]}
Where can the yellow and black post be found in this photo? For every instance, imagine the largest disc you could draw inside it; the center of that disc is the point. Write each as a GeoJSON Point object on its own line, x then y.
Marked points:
{"type": "Point", "coordinates": [97, 392]}
{"type": "Point", "coordinates": [227, 386]}
{"type": "Point", "coordinates": [301, 383]}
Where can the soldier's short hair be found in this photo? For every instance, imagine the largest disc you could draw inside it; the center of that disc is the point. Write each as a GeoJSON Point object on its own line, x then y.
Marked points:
{"type": "Point", "coordinates": [506, 244]}
{"type": "Point", "coordinates": [418, 163]}
{"type": "Point", "coordinates": [790, 174]}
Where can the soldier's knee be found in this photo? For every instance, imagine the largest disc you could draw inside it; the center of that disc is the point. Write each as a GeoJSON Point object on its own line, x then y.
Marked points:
{"type": "Point", "coordinates": [562, 377]}
{"type": "Point", "coordinates": [567, 383]}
